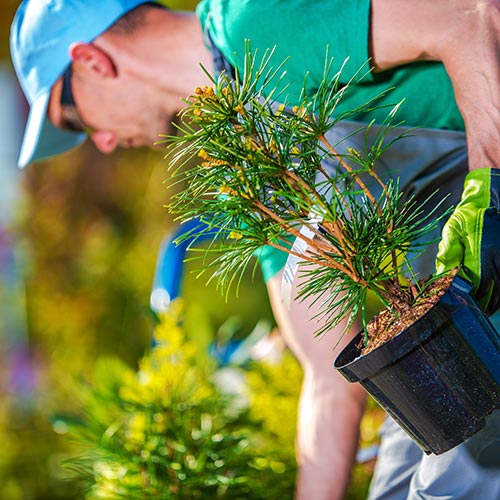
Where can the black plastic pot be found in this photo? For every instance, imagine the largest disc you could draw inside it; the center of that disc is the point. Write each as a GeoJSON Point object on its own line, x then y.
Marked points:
{"type": "Point", "coordinates": [440, 378]}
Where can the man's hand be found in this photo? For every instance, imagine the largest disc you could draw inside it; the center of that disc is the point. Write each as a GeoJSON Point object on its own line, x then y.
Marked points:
{"type": "Point", "coordinates": [471, 237]}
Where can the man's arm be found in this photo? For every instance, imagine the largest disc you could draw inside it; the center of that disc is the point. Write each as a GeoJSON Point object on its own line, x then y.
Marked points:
{"type": "Point", "coordinates": [465, 36]}
{"type": "Point", "coordinates": [330, 408]}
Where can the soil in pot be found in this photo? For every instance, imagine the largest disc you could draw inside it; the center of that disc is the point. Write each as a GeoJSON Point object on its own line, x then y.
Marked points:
{"type": "Point", "coordinates": [387, 324]}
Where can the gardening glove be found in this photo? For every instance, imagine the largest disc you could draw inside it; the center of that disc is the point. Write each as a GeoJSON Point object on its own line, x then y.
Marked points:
{"type": "Point", "coordinates": [471, 237]}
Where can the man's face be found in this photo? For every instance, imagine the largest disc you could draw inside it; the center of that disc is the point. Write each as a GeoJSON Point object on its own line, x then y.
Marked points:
{"type": "Point", "coordinates": [123, 111]}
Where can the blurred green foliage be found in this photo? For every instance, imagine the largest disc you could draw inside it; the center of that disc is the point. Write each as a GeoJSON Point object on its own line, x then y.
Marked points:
{"type": "Point", "coordinates": [170, 431]}
{"type": "Point", "coordinates": [174, 430]}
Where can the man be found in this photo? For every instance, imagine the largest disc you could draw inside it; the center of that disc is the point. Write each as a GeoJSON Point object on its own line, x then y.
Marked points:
{"type": "Point", "coordinates": [120, 82]}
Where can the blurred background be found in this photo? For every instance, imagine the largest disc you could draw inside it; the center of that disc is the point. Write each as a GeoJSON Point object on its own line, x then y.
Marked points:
{"type": "Point", "coordinates": [79, 242]}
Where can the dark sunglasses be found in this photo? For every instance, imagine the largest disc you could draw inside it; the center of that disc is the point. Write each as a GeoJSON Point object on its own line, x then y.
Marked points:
{"type": "Point", "coordinates": [70, 119]}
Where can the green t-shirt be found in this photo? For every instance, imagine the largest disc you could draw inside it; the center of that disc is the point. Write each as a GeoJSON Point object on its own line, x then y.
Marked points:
{"type": "Point", "coordinates": [305, 31]}
{"type": "Point", "coordinates": [301, 30]}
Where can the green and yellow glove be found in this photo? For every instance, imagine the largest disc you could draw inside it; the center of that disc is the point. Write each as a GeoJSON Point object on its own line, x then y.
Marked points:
{"type": "Point", "coordinates": [471, 237]}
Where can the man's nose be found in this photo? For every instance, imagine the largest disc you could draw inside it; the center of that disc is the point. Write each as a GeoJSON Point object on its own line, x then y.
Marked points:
{"type": "Point", "coordinates": [106, 142]}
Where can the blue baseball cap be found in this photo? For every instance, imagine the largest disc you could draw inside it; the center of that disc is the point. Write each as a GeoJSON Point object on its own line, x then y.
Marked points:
{"type": "Point", "coordinates": [41, 34]}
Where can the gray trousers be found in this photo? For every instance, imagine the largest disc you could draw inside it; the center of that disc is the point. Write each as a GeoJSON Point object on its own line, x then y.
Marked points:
{"type": "Point", "coordinates": [425, 162]}
{"type": "Point", "coordinates": [467, 472]}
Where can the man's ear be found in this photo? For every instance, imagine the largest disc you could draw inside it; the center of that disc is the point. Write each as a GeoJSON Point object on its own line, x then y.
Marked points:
{"type": "Point", "coordinates": [92, 59]}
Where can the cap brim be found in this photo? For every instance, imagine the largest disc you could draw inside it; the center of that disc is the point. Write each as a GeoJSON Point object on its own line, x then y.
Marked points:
{"type": "Point", "coordinates": [41, 138]}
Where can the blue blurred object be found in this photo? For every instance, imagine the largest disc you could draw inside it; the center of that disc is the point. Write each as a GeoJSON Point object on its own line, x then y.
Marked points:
{"type": "Point", "coordinates": [225, 349]}
{"type": "Point", "coordinates": [223, 352]}
{"type": "Point", "coordinates": [170, 263]}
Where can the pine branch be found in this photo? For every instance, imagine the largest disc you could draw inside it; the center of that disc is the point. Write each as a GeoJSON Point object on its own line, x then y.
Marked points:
{"type": "Point", "coordinates": [258, 181]}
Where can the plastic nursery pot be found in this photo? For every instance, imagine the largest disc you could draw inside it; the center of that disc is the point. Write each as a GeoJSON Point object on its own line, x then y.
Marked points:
{"type": "Point", "coordinates": [439, 378]}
